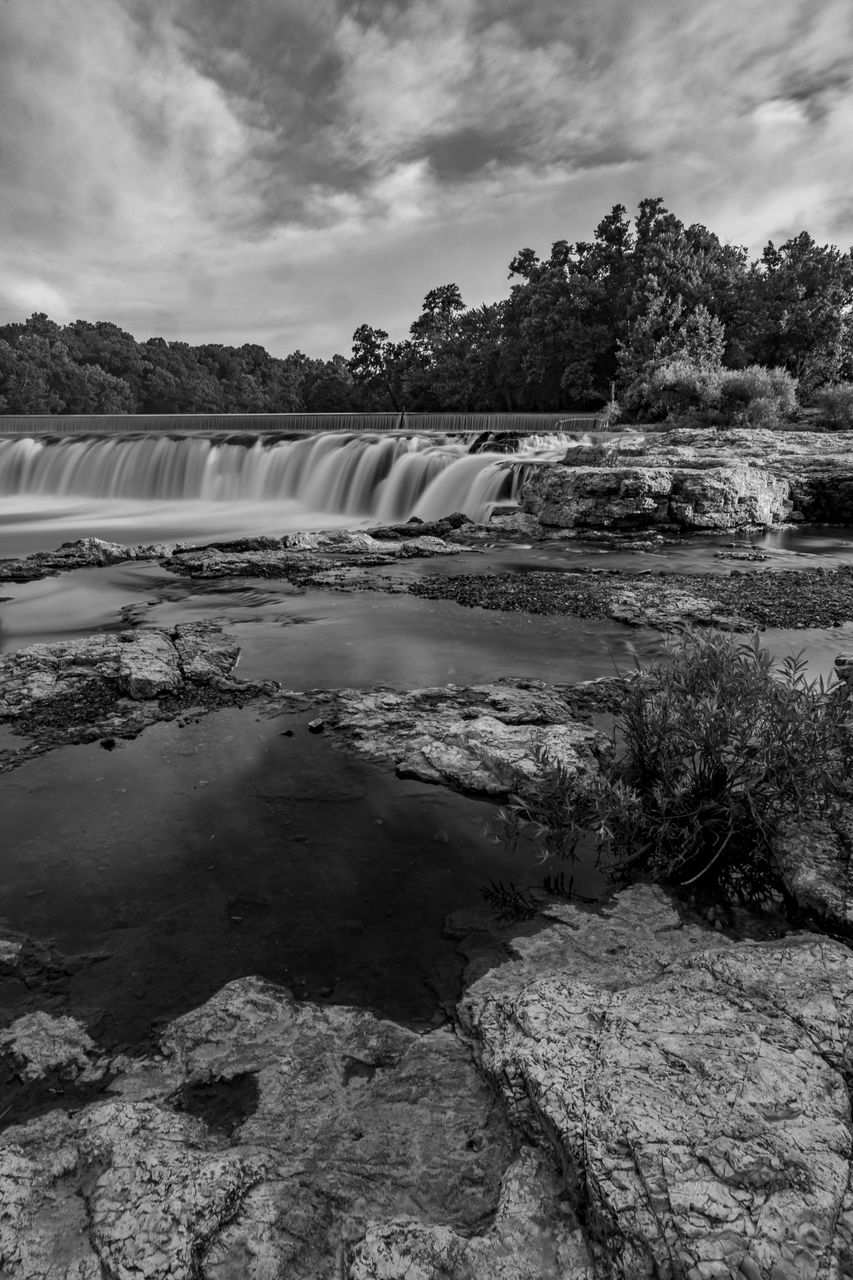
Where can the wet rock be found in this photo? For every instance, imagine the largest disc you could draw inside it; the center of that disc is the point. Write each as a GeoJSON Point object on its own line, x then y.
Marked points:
{"type": "Point", "coordinates": [482, 739]}
{"type": "Point", "coordinates": [323, 557]}
{"type": "Point", "coordinates": [40, 1043]}
{"type": "Point", "coordinates": [342, 541]}
{"type": "Point", "coordinates": [205, 653]}
{"type": "Point", "coordinates": [147, 665]}
{"type": "Point", "coordinates": [416, 528]}
{"type": "Point", "coordinates": [693, 1091]}
{"type": "Point", "coordinates": [86, 553]}
{"type": "Point", "coordinates": [353, 1121]}
{"type": "Point", "coordinates": [113, 685]}
{"type": "Point", "coordinates": [759, 599]}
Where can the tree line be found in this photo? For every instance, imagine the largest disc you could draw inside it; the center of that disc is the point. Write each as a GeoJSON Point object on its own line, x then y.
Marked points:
{"type": "Point", "coordinates": [650, 317]}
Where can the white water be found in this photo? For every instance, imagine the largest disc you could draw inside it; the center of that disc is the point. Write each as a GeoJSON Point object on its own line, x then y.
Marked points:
{"type": "Point", "coordinates": [391, 478]}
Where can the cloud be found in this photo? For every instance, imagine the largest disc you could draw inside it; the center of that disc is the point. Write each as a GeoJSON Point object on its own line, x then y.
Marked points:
{"type": "Point", "coordinates": [280, 170]}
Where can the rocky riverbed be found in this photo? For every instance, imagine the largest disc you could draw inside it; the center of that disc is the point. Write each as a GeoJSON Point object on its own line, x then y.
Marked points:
{"type": "Point", "coordinates": [741, 601]}
{"type": "Point", "coordinates": [663, 1103]}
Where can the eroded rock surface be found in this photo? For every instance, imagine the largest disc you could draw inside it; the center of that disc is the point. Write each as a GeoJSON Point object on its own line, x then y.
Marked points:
{"type": "Point", "coordinates": [113, 684]}
{"type": "Point", "coordinates": [607, 497]}
{"type": "Point", "coordinates": [358, 1124]}
{"type": "Point", "coordinates": [695, 479]}
{"type": "Point", "coordinates": [482, 738]}
{"type": "Point", "coordinates": [677, 1101]}
{"type": "Point", "coordinates": [694, 1090]}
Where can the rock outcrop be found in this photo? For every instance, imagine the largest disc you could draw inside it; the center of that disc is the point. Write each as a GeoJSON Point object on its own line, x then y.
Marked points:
{"type": "Point", "coordinates": [113, 684]}
{"type": "Point", "coordinates": [667, 1104]}
{"type": "Point", "coordinates": [268, 1138]}
{"type": "Point", "coordinates": [487, 739]}
{"type": "Point", "coordinates": [86, 553]}
{"type": "Point", "coordinates": [694, 1091]}
{"type": "Point", "coordinates": [305, 558]}
{"type": "Point", "coordinates": [694, 479]}
{"type": "Point", "coordinates": [653, 497]}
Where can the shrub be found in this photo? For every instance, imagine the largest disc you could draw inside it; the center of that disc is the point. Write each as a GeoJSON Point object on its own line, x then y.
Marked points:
{"type": "Point", "coordinates": [757, 396]}
{"type": "Point", "coordinates": [685, 386]}
{"type": "Point", "coordinates": [714, 751]}
{"type": "Point", "coordinates": [836, 406]}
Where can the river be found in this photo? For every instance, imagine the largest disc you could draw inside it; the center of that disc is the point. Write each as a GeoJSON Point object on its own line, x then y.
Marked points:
{"type": "Point", "coordinates": [203, 852]}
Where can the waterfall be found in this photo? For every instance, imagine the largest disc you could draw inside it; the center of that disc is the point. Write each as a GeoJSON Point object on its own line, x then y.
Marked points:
{"type": "Point", "coordinates": [386, 477]}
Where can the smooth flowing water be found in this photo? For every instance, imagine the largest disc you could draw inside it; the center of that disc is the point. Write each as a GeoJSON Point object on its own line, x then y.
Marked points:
{"type": "Point", "coordinates": [157, 487]}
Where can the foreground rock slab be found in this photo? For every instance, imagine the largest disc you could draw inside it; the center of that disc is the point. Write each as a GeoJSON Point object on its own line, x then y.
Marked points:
{"type": "Point", "coordinates": [696, 1094]}
{"type": "Point", "coordinates": [269, 1139]}
{"type": "Point", "coordinates": [113, 685]}
{"type": "Point", "coordinates": [666, 1104]}
{"type": "Point", "coordinates": [484, 739]}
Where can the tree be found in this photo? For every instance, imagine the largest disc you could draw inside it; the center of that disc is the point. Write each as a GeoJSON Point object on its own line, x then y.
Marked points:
{"type": "Point", "coordinates": [802, 296]}
{"type": "Point", "coordinates": [378, 367]}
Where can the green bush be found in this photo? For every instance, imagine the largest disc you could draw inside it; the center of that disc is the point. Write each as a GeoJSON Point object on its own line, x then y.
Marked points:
{"type": "Point", "coordinates": [685, 386]}
{"type": "Point", "coordinates": [757, 396]}
{"type": "Point", "coordinates": [713, 751]}
{"type": "Point", "coordinates": [836, 406]}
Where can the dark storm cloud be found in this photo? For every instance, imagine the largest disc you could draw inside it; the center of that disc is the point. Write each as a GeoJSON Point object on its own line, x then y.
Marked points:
{"type": "Point", "coordinates": [250, 170]}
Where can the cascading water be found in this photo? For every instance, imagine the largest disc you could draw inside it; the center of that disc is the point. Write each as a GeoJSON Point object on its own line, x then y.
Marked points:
{"type": "Point", "coordinates": [389, 478]}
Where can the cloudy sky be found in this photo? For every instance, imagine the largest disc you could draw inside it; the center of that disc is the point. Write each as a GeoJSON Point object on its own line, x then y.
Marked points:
{"type": "Point", "coordinates": [279, 171]}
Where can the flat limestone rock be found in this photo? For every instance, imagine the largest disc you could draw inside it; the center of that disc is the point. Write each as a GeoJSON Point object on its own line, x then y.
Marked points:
{"type": "Point", "coordinates": [205, 653]}
{"type": "Point", "coordinates": [697, 1098]}
{"type": "Point", "coordinates": [678, 1103]}
{"type": "Point", "coordinates": [111, 685]}
{"type": "Point", "coordinates": [486, 739]}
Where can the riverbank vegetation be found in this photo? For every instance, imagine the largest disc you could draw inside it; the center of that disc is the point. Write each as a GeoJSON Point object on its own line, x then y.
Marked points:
{"type": "Point", "coordinates": [648, 319]}
{"type": "Point", "coordinates": [714, 750]}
